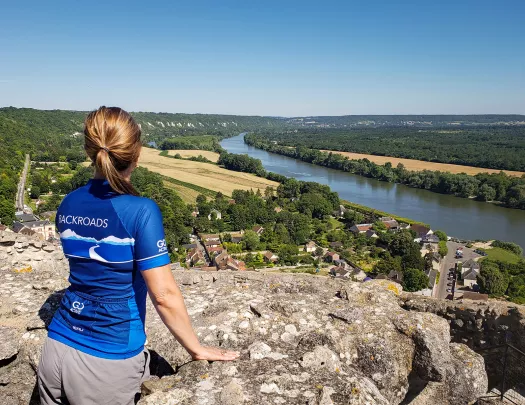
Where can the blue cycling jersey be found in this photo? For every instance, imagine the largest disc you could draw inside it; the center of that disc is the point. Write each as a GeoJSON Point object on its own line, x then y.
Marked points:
{"type": "Point", "coordinates": [108, 239]}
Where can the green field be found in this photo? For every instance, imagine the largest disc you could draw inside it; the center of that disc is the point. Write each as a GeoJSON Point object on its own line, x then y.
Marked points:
{"type": "Point", "coordinates": [501, 255]}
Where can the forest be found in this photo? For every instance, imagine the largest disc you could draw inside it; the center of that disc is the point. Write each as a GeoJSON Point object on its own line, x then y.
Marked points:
{"type": "Point", "coordinates": [492, 147]}
{"type": "Point", "coordinates": [508, 190]}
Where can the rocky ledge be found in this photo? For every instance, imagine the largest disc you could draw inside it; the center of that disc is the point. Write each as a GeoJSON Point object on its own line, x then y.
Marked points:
{"type": "Point", "coordinates": [303, 340]}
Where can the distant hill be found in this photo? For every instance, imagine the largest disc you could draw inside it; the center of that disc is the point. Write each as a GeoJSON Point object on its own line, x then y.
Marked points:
{"type": "Point", "coordinates": [406, 120]}
{"type": "Point", "coordinates": [47, 134]}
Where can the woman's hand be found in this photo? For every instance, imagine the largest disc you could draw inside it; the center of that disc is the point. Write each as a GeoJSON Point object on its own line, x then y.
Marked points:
{"type": "Point", "coordinates": [215, 354]}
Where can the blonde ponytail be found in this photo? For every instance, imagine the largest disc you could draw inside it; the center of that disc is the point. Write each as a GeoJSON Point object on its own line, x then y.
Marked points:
{"type": "Point", "coordinates": [112, 142]}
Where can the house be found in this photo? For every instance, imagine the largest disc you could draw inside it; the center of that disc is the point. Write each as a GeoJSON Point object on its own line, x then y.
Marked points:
{"type": "Point", "coordinates": [214, 213]}
{"type": "Point", "coordinates": [235, 265]}
{"type": "Point", "coordinates": [277, 209]}
{"type": "Point", "coordinates": [340, 272]}
{"type": "Point", "coordinates": [43, 229]}
{"type": "Point", "coordinates": [195, 213]}
{"type": "Point", "coordinates": [360, 228]}
{"type": "Point", "coordinates": [331, 256]}
{"type": "Point", "coordinates": [47, 214]}
{"type": "Point", "coordinates": [22, 217]}
{"type": "Point", "coordinates": [430, 240]}
{"type": "Point", "coordinates": [194, 257]}
{"type": "Point", "coordinates": [237, 238]}
{"type": "Point", "coordinates": [432, 277]}
{"type": "Point", "coordinates": [470, 278]}
{"type": "Point", "coordinates": [221, 260]}
{"type": "Point", "coordinates": [336, 245]}
{"type": "Point", "coordinates": [258, 229]}
{"type": "Point", "coordinates": [189, 246]}
{"type": "Point", "coordinates": [470, 272]}
{"type": "Point", "coordinates": [469, 265]}
{"type": "Point", "coordinates": [270, 257]}
{"type": "Point", "coordinates": [341, 211]}
{"type": "Point", "coordinates": [211, 244]}
{"type": "Point", "coordinates": [210, 236]}
{"type": "Point", "coordinates": [310, 247]}
{"type": "Point", "coordinates": [390, 223]}
{"type": "Point", "coordinates": [421, 230]}
{"type": "Point", "coordinates": [231, 201]}
{"type": "Point", "coordinates": [396, 276]}
{"type": "Point", "coordinates": [371, 234]}
{"type": "Point", "coordinates": [214, 251]}
{"type": "Point", "coordinates": [357, 274]}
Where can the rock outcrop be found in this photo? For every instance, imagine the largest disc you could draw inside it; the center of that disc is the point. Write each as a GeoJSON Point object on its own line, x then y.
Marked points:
{"type": "Point", "coordinates": [303, 339]}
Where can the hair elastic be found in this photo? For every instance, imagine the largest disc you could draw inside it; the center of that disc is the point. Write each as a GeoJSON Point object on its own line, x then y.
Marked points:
{"type": "Point", "coordinates": [105, 148]}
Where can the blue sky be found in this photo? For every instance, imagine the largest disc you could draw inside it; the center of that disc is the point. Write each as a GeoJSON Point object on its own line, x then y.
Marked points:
{"type": "Point", "coordinates": [283, 57]}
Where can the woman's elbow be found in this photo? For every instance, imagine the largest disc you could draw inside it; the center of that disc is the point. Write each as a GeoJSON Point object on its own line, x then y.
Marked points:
{"type": "Point", "coordinates": [165, 298]}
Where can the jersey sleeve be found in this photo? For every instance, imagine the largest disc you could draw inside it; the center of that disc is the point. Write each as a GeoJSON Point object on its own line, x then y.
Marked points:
{"type": "Point", "coordinates": [150, 244]}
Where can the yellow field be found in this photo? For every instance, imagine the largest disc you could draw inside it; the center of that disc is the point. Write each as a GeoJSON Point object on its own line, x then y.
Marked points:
{"type": "Point", "coordinates": [187, 153]}
{"type": "Point", "coordinates": [206, 175]}
{"type": "Point", "coordinates": [188, 195]}
{"type": "Point", "coordinates": [412, 164]}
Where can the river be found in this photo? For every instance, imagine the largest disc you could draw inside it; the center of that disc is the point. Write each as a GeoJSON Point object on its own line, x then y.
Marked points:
{"type": "Point", "coordinates": [459, 217]}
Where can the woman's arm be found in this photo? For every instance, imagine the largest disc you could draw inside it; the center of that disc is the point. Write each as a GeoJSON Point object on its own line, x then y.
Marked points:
{"type": "Point", "coordinates": [169, 303]}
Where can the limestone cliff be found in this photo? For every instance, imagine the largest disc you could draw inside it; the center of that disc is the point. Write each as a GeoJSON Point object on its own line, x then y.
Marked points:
{"type": "Point", "coordinates": [304, 339]}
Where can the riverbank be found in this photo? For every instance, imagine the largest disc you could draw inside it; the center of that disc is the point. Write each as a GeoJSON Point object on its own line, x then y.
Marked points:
{"type": "Point", "coordinates": [464, 218]}
{"type": "Point", "coordinates": [483, 187]}
{"type": "Point", "coordinates": [417, 165]}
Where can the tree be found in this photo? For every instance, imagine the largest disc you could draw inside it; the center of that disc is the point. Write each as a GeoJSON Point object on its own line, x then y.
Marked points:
{"type": "Point", "coordinates": [319, 251]}
{"type": "Point", "coordinates": [288, 254]}
{"type": "Point", "coordinates": [353, 217]}
{"type": "Point", "coordinates": [517, 289]}
{"type": "Point", "coordinates": [441, 235]}
{"type": "Point", "coordinates": [491, 280]}
{"type": "Point", "coordinates": [7, 212]}
{"type": "Point", "coordinates": [388, 264]}
{"type": "Point", "coordinates": [289, 189]}
{"type": "Point", "coordinates": [414, 280]}
{"type": "Point", "coordinates": [35, 192]}
{"type": "Point", "coordinates": [443, 248]}
{"type": "Point", "coordinates": [251, 240]}
{"type": "Point", "coordinates": [379, 226]}
{"type": "Point", "coordinates": [486, 193]}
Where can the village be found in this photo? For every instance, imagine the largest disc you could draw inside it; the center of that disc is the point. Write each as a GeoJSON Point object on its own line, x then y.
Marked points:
{"type": "Point", "coordinates": [209, 252]}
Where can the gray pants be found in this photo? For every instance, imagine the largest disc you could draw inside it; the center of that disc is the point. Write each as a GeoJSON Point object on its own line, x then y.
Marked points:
{"type": "Point", "coordinates": [69, 376]}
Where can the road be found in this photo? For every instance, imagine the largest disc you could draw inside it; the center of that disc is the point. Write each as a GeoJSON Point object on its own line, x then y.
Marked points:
{"type": "Point", "coordinates": [22, 186]}
{"type": "Point", "coordinates": [449, 263]}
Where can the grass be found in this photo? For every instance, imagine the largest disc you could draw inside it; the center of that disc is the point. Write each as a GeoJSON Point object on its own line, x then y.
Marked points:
{"type": "Point", "coordinates": [365, 209]}
{"type": "Point", "coordinates": [335, 223]}
{"type": "Point", "coordinates": [418, 165]}
{"type": "Point", "coordinates": [501, 255]}
{"type": "Point", "coordinates": [187, 153]}
{"type": "Point", "coordinates": [206, 176]}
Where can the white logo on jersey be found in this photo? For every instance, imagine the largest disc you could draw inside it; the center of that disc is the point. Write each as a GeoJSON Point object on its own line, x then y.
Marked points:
{"type": "Point", "coordinates": [161, 244]}
{"type": "Point", "coordinates": [77, 307]}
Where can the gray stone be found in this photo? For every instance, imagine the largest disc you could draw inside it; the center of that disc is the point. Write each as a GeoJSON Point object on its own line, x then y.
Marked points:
{"type": "Point", "coordinates": [172, 397]}
{"type": "Point", "coordinates": [232, 394]}
{"type": "Point", "coordinates": [10, 342]}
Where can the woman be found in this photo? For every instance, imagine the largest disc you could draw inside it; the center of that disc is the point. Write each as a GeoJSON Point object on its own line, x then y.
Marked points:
{"type": "Point", "coordinates": [114, 241]}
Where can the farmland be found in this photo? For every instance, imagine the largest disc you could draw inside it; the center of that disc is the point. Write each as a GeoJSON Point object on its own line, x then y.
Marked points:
{"type": "Point", "coordinates": [417, 165]}
{"type": "Point", "coordinates": [188, 153]}
{"type": "Point", "coordinates": [205, 175]}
